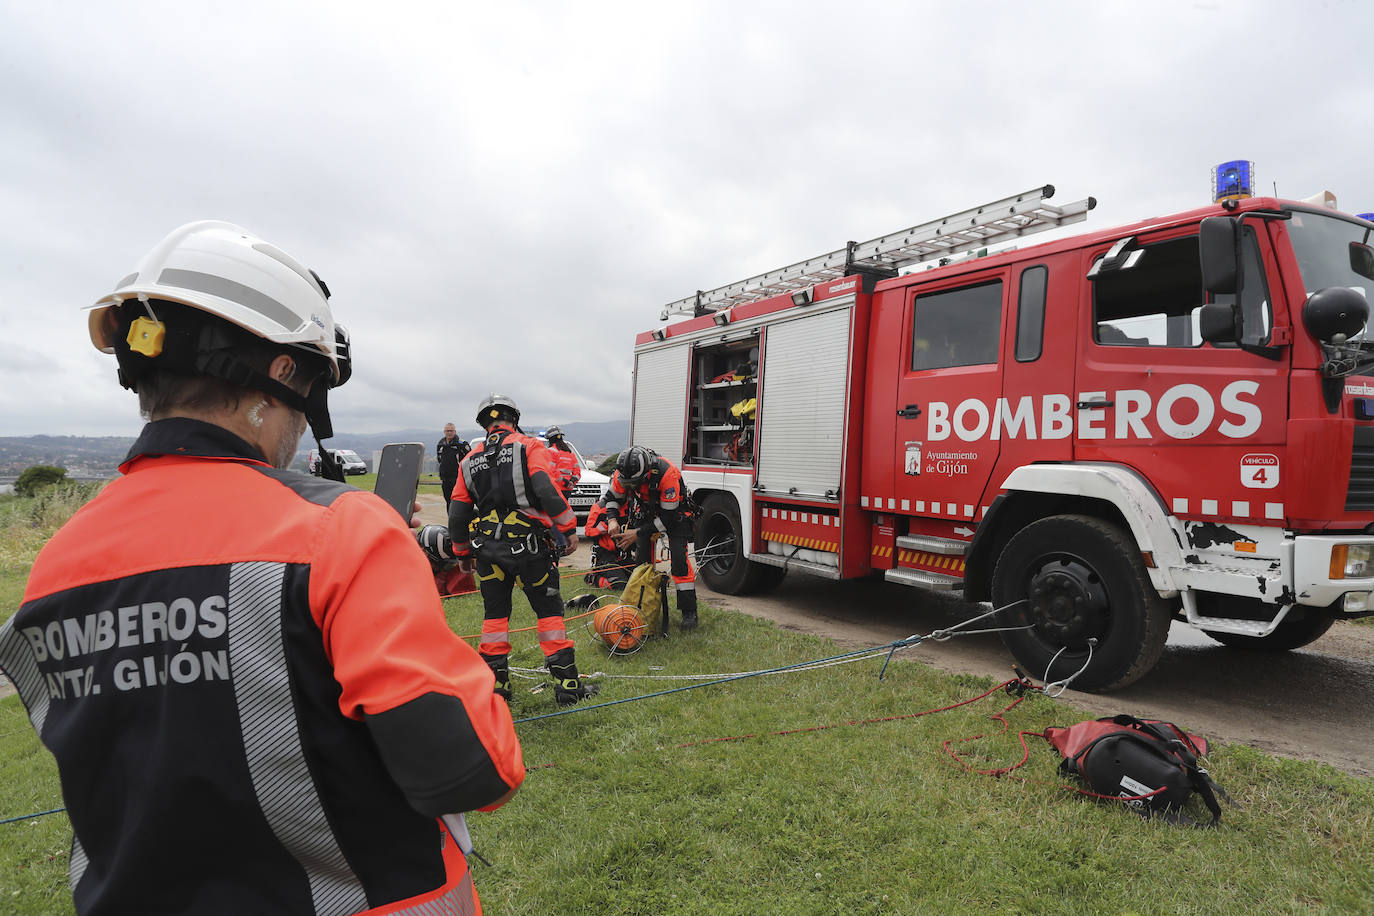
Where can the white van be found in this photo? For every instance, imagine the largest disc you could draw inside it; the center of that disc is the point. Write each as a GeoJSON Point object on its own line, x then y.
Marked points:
{"type": "Point", "coordinates": [346, 457]}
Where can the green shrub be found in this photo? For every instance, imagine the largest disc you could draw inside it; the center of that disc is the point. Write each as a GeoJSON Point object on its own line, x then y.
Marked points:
{"type": "Point", "coordinates": [37, 477]}
{"type": "Point", "coordinates": [607, 467]}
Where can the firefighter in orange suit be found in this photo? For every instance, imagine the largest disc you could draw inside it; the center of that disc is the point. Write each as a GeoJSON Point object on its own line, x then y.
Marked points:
{"type": "Point", "coordinates": [611, 562]}
{"type": "Point", "coordinates": [244, 672]}
{"type": "Point", "coordinates": [506, 506]}
{"type": "Point", "coordinates": [667, 508]}
{"type": "Point", "coordinates": [564, 461]}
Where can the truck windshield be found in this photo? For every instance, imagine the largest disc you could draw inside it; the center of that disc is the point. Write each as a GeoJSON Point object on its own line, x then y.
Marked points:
{"type": "Point", "coordinates": [1322, 244]}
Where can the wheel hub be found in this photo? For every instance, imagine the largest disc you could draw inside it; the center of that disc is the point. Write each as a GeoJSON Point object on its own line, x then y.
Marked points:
{"type": "Point", "coordinates": [1068, 602]}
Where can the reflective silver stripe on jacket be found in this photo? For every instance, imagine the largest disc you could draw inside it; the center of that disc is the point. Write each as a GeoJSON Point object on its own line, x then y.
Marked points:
{"type": "Point", "coordinates": [518, 472]}
{"type": "Point", "coordinates": [16, 657]}
{"type": "Point", "coordinates": [457, 902]}
{"type": "Point", "coordinates": [271, 738]}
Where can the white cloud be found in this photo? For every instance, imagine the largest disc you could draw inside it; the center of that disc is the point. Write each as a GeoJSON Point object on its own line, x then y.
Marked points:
{"type": "Point", "coordinates": [501, 196]}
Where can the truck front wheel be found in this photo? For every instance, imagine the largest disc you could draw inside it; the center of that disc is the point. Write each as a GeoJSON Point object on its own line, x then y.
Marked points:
{"type": "Point", "coordinates": [1071, 578]}
{"type": "Point", "coordinates": [720, 551]}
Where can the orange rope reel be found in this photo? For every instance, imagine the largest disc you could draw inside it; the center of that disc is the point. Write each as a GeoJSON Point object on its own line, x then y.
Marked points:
{"type": "Point", "coordinates": [621, 627]}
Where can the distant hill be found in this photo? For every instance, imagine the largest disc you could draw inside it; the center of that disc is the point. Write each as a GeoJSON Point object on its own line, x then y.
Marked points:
{"type": "Point", "coordinates": [82, 456]}
{"type": "Point", "coordinates": [603, 438]}
{"type": "Point", "coordinates": [99, 456]}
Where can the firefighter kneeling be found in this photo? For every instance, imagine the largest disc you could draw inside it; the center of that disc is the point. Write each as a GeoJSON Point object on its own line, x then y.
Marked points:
{"type": "Point", "coordinates": [611, 562]}
{"type": "Point", "coordinates": [505, 507]}
{"type": "Point", "coordinates": [668, 509]}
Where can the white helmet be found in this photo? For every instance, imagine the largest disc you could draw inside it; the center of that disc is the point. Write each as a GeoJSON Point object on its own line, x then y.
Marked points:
{"type": "Point", "coordinates": [224, 270]}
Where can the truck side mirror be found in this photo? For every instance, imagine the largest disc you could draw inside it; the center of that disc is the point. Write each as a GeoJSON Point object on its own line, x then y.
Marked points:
{"type": "Point", "coordinates": [1218, 253]}
{"type": "Point", "coordinates": [1362, 260]}
{"type": "Point", "coordinates": [1335, 314]}
{"type": "Point", "coordinates": [1217, 322]}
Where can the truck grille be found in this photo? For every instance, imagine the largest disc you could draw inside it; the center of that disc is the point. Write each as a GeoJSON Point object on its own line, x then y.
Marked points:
{"type": "Point", "coordinates": [1359, 496]}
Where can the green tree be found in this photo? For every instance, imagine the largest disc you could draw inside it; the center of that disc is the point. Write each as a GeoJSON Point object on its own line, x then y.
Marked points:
{"type": "Point", "coordinates": [37, 477]}
{"type": "Point", "coordinates": [607, 467]}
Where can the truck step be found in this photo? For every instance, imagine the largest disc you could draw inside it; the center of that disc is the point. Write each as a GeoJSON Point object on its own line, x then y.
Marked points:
{"type": "Point", "coordinates": [815, 569]}
{"type": "Point", "coordinates": [930, 544]}
{"type": "Point", "coordinates": [931, 580]}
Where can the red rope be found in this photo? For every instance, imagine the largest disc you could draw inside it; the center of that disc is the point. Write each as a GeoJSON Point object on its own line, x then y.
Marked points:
{"type": "Point", "coordinates": [819, 728]}
{"type": "Point", "coordinates": [1025, 758]}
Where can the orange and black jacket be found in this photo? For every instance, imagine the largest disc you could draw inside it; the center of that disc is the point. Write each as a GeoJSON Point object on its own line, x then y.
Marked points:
{"type": "Point", "coordinates": [507, 471]}
{"type": "Point", "coordinates": [660, 495]}
{"type": "Point", "coordinates": [596, 527]}
{"type": "Point", "coordinates": [566, 469]}
{"type": "Point", "coordinates": [255, 703]}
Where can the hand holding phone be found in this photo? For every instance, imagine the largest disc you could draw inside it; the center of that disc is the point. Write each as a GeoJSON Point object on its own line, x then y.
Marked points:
{"type": "Point", "coordinates": [398, 476]}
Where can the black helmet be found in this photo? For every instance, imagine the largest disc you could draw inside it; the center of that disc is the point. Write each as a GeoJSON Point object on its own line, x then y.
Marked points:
{"type": "Point", "coordinates": [634, 463]}
{"type": "Point", "coordinates": [437, 544]}
{"type": "Point", "coordinates": [494, 407]}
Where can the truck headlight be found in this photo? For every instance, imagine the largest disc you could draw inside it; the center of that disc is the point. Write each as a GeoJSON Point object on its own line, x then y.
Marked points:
{"type": "Point", "coordinates": [1352, 561]}
{"type": "Point", "coordinates": [1355, 602]}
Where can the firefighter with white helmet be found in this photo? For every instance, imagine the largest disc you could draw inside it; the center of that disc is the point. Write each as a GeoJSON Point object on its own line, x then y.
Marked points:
{"type": "Point", "coordinates": [668, 509]}
{"type": "Point", "coordinates": [506, 506]}
{"type": "Point", "coordinates": [229, 612]}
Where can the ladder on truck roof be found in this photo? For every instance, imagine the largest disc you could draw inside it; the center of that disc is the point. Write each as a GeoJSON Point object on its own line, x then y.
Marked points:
{"type": "Point", "coordinates": [1008, 218]}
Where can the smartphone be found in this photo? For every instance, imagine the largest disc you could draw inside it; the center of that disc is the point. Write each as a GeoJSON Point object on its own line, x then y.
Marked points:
{"type": "Point", "coordinates": [398, 476]}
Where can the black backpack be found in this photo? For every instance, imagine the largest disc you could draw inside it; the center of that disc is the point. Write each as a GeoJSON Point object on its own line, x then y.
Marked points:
{"type": "Point", "coordinates": [1148, 764]}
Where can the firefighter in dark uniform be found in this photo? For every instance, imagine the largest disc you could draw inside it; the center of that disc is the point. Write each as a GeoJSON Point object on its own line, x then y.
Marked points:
{"type": "Point", "coordinates": [505, 508]}
{"type": "Point", "coordinates": [667, 508]}
{"type": "Point", "coordinates": [449, 452]}
{"type": "Point", "coordinates": [239, 741]}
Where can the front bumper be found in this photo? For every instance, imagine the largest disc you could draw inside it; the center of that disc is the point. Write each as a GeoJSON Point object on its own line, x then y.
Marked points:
{"type": "Point", "coordinates": [1313, 581]}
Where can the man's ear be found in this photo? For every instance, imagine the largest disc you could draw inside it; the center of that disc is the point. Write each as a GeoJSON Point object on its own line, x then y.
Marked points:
{"type": "Point", "coordinates": [283, 369]}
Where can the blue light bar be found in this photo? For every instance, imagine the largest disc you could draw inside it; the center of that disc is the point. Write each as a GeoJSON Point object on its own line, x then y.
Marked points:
{"type": "Point", "coordinates": [1368, 216]}
{"type": "Point", "coordinates": [1233, 180]}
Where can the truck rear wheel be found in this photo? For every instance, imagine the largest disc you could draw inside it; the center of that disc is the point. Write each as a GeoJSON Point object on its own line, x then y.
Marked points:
{"type": "Point", "coordinates": [1072, 578]}
{"type": "Point", "coordinates": [721, 559]}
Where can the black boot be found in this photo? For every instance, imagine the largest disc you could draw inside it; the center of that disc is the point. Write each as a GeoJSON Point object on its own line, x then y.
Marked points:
{"type": "Point", "coordinates": [568, 688]}
{"type": "Point", "coordinates": [687, 604]}
{"type": "Point", "coordinates": [500, 666]}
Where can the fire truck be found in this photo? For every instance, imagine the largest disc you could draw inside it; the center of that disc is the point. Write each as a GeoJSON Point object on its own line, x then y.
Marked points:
{"type": "Point", "coordinates": [1095, 435]}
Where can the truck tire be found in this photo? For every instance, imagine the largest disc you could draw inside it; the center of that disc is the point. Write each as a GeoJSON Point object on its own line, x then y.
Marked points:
{"type": "Point", "coordinates": [1292, 633]}
{"type": "Point", "coordinates": [1072, 577]}
{"type": "Point", "coordinates": [719, 539]}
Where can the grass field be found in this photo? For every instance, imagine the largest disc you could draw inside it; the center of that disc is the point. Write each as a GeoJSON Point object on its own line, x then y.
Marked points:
{"type": "Point", "coordinates": [819, 791]}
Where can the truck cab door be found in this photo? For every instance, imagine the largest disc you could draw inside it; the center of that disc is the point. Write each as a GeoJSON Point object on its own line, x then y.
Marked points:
{"type": "Point", "coordinates": [1204, 423]}
{"type": "Point", "coordinates": [948, 386]}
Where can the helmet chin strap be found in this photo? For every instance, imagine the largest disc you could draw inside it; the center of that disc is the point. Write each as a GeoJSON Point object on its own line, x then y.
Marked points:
{"type": "Point", "coordinates": [316, 411]}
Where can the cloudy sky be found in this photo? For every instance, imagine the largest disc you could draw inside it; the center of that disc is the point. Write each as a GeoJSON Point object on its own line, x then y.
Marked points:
{"type": "Point", "coordinates": [500, 195]}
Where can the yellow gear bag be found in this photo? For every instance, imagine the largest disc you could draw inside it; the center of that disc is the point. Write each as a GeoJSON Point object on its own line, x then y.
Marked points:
{"type": "Point", "coordinates": [648, 591]}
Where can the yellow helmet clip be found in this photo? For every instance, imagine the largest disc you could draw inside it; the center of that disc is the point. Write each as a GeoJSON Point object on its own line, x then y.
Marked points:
{"type": "Point", "coordinates": [146, 336]}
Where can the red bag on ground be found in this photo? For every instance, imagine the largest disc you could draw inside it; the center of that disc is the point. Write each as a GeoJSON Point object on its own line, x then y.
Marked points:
{"type": "Point", "coordinates": [1149, 764]}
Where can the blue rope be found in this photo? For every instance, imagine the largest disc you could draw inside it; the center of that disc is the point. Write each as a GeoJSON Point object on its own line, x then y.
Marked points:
{"type": "Point", "coordinates": [894, 646]}
{"type": "Point", "coordinates": [24, 817]}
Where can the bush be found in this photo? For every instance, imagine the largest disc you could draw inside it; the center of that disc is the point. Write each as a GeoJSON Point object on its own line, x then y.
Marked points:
{"type": "Point", "coordinates": [37, 477]}
{"type": "Point", "coordinates": [607, 467]}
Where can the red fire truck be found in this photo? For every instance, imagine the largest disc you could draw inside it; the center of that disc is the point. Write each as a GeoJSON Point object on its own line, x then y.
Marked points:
{"type": "Point", "coordinates": [1096, 434]}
